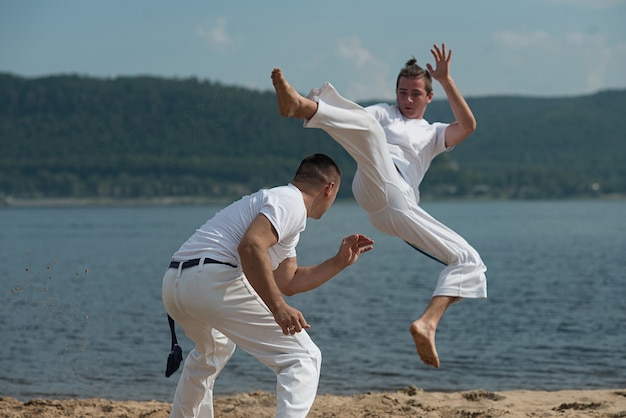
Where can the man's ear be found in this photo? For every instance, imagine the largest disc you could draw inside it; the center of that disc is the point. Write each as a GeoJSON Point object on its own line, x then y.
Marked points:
{"type": "Point", "coordinates": [328, 189]}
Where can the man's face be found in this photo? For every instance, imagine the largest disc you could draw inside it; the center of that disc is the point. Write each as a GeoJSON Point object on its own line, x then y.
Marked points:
{"type": "Point", "coordinates": [412, 98]}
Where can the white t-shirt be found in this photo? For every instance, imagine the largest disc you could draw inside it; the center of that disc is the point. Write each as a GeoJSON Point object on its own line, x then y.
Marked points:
{"type": "Point", "coordinates": [219, 237]}
{"type": "Point", "coordinates": [413, 143]}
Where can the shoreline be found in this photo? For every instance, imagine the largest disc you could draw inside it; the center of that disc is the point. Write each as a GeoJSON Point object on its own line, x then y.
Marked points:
{"type": "Point", "coordinates": [71, 202]}
{"type": "Point", "coordinates": [408, 402]}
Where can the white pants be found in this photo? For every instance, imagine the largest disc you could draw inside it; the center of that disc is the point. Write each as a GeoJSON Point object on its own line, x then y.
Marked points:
{"type": "Point", "coordinates": [389, 201]}
{"type": "Point", "coordinates": [218, 309]}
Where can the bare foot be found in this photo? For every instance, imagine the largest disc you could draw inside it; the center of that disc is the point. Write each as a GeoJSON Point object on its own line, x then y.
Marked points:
{"type": "Point", "coordinates": [424, 337]}
{"type": "Point", "coordinates": [290, 102]}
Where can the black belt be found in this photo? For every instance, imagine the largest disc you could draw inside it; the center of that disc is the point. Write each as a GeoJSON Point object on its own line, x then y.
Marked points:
{"type": "Point", "coordinates": [196, 261]}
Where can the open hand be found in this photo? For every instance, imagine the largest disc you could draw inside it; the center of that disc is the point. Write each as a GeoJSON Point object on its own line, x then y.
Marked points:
{"type": "Point", "coordinates": [442, 62]}
{"type": "Point", "coordinates": [352, 246]}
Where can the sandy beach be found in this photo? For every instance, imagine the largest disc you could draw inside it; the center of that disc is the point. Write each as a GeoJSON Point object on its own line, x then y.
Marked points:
{"type": "Point", "coordinates": [410, 402]}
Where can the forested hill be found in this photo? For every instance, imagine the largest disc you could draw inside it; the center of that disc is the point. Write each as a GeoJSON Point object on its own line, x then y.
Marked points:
{"type": "Point", "coordinates": [145, 137]}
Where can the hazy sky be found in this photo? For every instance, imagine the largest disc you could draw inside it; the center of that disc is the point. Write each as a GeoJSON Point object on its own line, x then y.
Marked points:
{"type": "Point", "coordinates": [522, 47]}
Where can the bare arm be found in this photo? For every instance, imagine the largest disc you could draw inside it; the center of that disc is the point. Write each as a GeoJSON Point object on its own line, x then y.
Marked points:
{"type": "Point", "coordinates": [465, 122]}
{"type": "Point", "coordinates": [255, 261]}
{"type": "Point", "coordinates": [292, 279]}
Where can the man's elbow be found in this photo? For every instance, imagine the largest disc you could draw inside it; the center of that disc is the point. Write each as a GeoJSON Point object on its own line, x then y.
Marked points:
{"type": "Point", "coordinates": [287, 290]}
{"type": "Point", "coordinates": [465, 131]}
{"type": "Point", "coordinates": [249, 251]}
{"type": "Point", "coordinates": [244, 249]}
{"type": "Point", "coordinates": [469, 127]}
{"type": "Point", "coordinates": [286, 287]}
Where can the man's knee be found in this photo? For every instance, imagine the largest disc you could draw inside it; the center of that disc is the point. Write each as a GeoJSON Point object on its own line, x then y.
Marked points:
{"type": "Point", "coordinates": [311, 365]}
{"type": "Point", "coordinates": [319, 358]}
{"type": "Point", "coordinates": [315, 357]}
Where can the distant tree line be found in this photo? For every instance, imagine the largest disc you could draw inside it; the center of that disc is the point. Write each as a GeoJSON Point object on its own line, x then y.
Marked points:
{"type": "Point", "coordinates": [146, 137]}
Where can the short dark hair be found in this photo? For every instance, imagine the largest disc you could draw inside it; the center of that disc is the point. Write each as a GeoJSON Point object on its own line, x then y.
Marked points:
{"type": "Point", "coordinates": [412, 69]}
{"type": "Point", "coordinates": [318, 168]}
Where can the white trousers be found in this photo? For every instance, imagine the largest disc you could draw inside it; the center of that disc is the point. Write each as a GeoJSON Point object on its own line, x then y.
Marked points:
{"type": "Point", "coordinates": [390, 201]}
{"type": "Point", "coordinates": [218, 309]}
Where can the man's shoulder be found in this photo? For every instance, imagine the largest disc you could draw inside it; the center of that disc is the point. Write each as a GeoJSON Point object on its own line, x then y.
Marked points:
{"type": "Point", "coordinates": [286, 192]}
{"type": "Point", "coordinates": [284, 206]}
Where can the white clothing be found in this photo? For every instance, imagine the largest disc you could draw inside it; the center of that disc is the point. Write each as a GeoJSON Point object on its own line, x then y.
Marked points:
{"type": "Point", "coordinates": [219, 309]}
{"type": "Point", "coordinates": [219, 237]}
{"type": "Point", "coordinates": [412, 143]}
{"type": "Point", "coordinates": [390, 201]}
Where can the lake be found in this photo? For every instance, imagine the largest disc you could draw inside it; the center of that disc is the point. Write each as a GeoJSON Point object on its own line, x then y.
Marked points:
{"type": "Point", "coordinates": [81, 312]}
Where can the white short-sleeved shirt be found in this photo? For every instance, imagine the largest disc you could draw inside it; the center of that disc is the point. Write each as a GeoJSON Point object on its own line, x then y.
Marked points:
{"type": "Point", "coordinates": [413, 143]}
{"type": "Point", "coordinates": [219, 237]}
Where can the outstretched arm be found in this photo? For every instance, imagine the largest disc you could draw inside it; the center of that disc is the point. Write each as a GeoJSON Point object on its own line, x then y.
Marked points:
{"type": "Point", "coordinates": [292, 279]}
{"type": "Point", "coordinates": [465, 122]}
